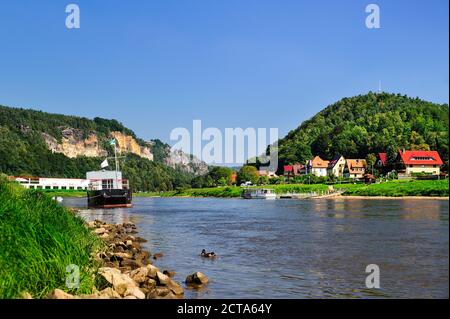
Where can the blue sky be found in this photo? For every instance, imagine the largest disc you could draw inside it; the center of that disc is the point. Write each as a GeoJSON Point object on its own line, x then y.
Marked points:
{"type": "Point", "coordinates": [157, 65]}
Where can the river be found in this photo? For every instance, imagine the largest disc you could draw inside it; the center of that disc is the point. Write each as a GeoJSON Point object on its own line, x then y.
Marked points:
{"type": "Point", "coordinates": [296, 248]}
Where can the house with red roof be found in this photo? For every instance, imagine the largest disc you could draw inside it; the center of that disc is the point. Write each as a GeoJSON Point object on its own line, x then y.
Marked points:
{"type": "Point", "coordinates": [294, 170]}
{"type": "Point", "coordinates": [382, 160]}
{"type": "Point", "coordinates": [420, 162]}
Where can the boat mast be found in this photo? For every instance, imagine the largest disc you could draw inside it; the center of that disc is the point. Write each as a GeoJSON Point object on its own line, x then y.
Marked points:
{"type": "Point", "coordinates": [117, 164]}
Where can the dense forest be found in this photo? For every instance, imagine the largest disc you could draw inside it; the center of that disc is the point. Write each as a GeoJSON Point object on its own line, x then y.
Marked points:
{"type": "Point", "coordinates": [23, 150]}
{"type": "Point", "coordinates": [367, 124]}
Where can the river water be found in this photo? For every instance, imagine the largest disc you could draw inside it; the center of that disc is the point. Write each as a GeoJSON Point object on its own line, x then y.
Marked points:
{"type": "Point", "coordinates": [296, 248]}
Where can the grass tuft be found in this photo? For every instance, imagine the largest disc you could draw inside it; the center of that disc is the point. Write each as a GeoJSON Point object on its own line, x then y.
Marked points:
{"type": "Point", "coordinates": [38, 240]}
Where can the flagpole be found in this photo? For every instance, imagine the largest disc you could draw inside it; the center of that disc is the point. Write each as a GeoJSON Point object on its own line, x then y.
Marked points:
{"type": "Point", "coordinates": [117, 164]}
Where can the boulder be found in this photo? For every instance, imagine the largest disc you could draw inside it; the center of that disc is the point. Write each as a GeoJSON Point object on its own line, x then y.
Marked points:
{"type": "Point", "coordinates": [135, 292]}
{"type": "Point", "coordinates": [120, 282]}
{"type": "Point", "coordinates": [169, 273]}
{"type": "Point", "coordinates": [159, 292]}
{"type": "Point", "coordinates": [152, 270]}
{"type": "Point", "coordinates": [100, 231]}
{"type": "Point", "coordinates": [162, 279]}
{"type": "Point", "coordinates": [139, 275]}
{"type": "Point", "coordinates": [123, 255]}
{"type": "Point", "coordinates": [59, 294]}
{"type": "Point", "coordinates": [131, 263]}
{"type": "Point", "coordinates": [150, 283]}
{"type": "Point", "coordinates": [175, 287]}
{"type": "Point", "coordinates": [108, 293]}
{"type": "Point", "coordinates": [197, 278]}
{"type": "Point", "coordinates": [142, 256]}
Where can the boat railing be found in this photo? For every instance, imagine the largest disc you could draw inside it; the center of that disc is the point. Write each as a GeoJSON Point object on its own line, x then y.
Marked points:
{"type": "Point", "coordinates": [99, 184]}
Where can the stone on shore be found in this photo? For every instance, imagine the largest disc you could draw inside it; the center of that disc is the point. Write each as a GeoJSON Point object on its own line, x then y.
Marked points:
{"type": "Point", "coordinates": [26, 295]}
{"type": "Point", "coordinates": [59, 294]}
{"type": "Point", "coordinates": [120, 282]}
{"type": "Point", "coordinates": [162, 279]}
{"type": "Point", "coordinates": [108, 293]}
{"type": "Point", "coordinates": [135, 292]}
{"type": "Point", "coordinates": [139, 275]}
{"type": "Point", "coordinates": [152, 270]}
{"type": "Point", "coordinates": [175, 287]}
{"type": "Point", "coordinates": [169, 273]}
{"type": "Point", "coordinates": [100, 231]}
{"type": "Point", "coordinates": [197, 279]}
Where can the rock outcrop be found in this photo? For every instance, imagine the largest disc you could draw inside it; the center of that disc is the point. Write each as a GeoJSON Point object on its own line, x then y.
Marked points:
{"type": "Point", "coordinates": [186, 162]}
{"type": "Point", "coordinates": [74, 143]}
{"type": "Point", "coordinates": [127, 144]}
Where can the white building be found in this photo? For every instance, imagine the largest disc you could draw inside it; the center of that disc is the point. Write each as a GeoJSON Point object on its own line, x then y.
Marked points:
{"type": "Point", "coordinates": [95, 180]}
{"type": "Point", "coordinates": [53, 183]}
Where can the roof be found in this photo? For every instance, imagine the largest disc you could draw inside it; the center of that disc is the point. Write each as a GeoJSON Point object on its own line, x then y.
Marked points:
{"type": "Point", "coordinates": [317, 162]}
{"type": "Point", "coordinates": [421, 158]}
{"type": "Point", "coordinates": [353, 164]}
{"type": "Point", "coordinates": [383, 158]}
{"type": "Point", "coordinates": [334, 161]}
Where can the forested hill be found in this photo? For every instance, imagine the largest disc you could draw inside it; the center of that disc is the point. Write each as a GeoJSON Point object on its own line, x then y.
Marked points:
{"type": "Point", "coordinates": [371, 123]}
{"type": "Point", "coordinates": [36, 143]}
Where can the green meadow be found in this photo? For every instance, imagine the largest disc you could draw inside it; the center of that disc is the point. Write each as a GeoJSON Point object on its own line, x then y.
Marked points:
{"type": "Point", "coordinates": [397, 188]}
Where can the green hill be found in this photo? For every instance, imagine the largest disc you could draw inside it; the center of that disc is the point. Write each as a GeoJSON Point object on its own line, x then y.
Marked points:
{"type": "Point", "coordinates": [25, 151]}
{"type": "Point", "coordinates": [365, 124]}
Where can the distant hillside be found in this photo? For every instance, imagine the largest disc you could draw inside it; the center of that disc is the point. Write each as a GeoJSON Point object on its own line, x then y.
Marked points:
{"type": "Point", "coordinates": [43, 144]}
{"type": "Point", "coordinates": [371, 123]}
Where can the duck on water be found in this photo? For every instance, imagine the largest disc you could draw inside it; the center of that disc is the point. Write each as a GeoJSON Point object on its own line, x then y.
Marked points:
{"type": "Point", "coordinates": [208, 255]}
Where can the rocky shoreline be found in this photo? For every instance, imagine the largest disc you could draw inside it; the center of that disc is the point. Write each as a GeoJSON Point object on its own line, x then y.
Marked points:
{"type": "Point", "coordinates": [126, 271]}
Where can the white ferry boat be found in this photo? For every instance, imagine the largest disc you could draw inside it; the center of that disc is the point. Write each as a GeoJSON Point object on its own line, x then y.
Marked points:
{"type": "Point", "coordinates": [256, 193]}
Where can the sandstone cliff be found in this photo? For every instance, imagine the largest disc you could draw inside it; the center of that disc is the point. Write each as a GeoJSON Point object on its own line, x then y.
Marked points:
{"type": "Point", "coordinates": [73, 144]}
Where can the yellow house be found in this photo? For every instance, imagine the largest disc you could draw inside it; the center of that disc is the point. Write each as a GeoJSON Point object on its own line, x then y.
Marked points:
{"type": "Point", "coordinates": [355, 168]}
{"type": "Point", "coordinates": [421, 162]}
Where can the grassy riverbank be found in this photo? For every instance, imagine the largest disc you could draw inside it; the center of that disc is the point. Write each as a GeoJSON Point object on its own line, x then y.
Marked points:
{"type": "Point", "coordinates": [38, 240]}
{"type": "Point", "coordinates": [397, 188]}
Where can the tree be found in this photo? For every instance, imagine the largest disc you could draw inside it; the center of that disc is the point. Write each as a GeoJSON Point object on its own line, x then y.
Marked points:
{"type": "Point", "coordinates": [221, 175]}
{"type": "Point", "coordinates": [371, 159]}
{"type": "Point", "coordinates": [248, 173]}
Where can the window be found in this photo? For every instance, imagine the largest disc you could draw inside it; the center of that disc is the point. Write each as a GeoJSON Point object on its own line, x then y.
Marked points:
{"type": "Point", "coordinates": [48, 187]}
{"type": "Point", "coordinates": [63, 187]}
{"type": "Point", "coordinates": [107, 183]}
{"type": "Point", "coordinates": [79, 188]}
{"type": "Point", "coordinates": [71, 187]}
